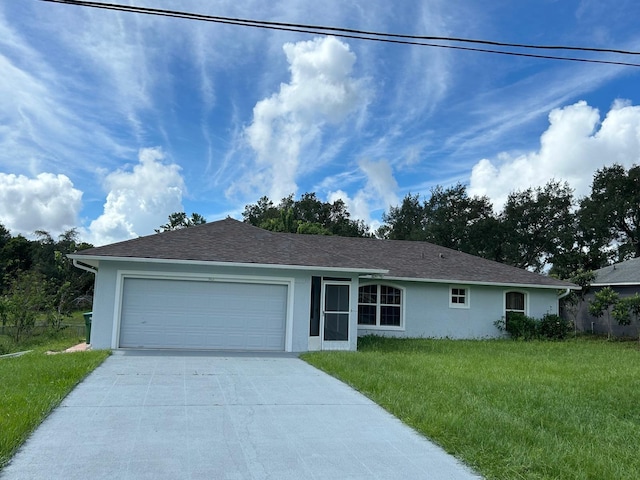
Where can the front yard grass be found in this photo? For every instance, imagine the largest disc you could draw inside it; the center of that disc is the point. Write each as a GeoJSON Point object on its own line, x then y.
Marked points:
{"type": "Point", "coordinates": [508, 409]}
{"type": "Point", "coordinates": [32, 385]}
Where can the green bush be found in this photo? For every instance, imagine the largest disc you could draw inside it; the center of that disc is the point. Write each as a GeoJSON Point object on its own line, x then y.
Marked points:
{"type": "Point", "coordinates": [554, 327]}
{"type": "Point", "coordinates": [520, 326]}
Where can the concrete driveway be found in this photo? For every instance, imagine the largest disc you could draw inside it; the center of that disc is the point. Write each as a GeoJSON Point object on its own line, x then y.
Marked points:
{"type": "Point", "coordinates": [223, 417]}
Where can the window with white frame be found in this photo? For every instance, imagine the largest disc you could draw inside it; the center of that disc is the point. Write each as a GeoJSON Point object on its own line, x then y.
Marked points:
{"type": "Point", "coordinates": [458, 297]}
{"type": "Point", "coordinates": [379, 306]}
{"type": "Point", "coordinates": [515, 302]}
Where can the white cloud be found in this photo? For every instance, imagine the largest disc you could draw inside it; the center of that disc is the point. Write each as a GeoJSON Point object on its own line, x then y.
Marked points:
{"type": "Point", "coordinates": [139, 200]}
{"type": "Point", "coordinates": [571, 149]}
{"type": "Point", "coordinates": [47, 202]}
{"type": "Point", "coordinates": [44, 123]}
{"type": "Point", "coordinates": [116, 49]}
{"type": "Point", "coordinates": [379, 192]}
{"type": "Point", "coordinates": [321, 91]}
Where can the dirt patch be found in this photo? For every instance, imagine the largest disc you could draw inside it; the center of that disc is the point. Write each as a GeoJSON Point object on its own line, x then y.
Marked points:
{"type": "Point", "coordinates": [81, 347]}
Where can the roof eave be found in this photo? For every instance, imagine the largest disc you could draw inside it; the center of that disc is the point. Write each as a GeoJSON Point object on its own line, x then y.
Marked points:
{"type": "Point", "coordinates": [477, 282]}
{"type": "Point", "coordinates": [614, 284]}
{"type": "Point", "coordinates": [94, 260]}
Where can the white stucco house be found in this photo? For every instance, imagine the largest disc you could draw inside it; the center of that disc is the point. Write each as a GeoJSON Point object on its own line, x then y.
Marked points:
{"type": "Point", "coordinates": [227, 285]}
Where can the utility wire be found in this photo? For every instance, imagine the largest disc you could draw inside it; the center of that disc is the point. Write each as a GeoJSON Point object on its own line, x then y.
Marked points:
{"type": "Point", "coordinates": [366, 35]}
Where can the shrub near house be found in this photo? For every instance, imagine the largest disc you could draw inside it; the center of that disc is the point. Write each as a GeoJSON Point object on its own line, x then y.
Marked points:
{"type": "Point", "coordinates": [520, 326]}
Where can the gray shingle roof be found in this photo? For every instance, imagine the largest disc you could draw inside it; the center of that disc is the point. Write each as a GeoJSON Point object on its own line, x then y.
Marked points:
{"type": "Point", "coordinates": [623, 272]}
{"type": "Point", "coordinates": [237, 242]}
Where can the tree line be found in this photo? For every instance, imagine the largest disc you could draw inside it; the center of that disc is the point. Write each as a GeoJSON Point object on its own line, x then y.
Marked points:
{"type": "Point", "coordinates": [38, 283]}
{"type": "Point", "coordinates": [543, 229]}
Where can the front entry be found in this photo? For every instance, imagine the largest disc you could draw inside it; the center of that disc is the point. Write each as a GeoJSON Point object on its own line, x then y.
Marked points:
{"type": "Point", "coordinates": [330, 314]}
{"type": "Point", "coordinates": [334, 326]}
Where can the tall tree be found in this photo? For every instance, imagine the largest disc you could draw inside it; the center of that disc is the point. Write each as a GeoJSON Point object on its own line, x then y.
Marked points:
{"type": "Point", "coordinates": [308, 215]}
{"type": "Point", "coordinates": [15, 256]}
{"type": "Point", "coordinates": [449, 218]}
{"type": "Point", "coordinates": [538, 225]}
{"type": "Point", "coordinates": [69, 288]}
{"type": "Point", "coordinates": [610, 215]}
{"type": "Point", "coordinates": [178, 220]}
{"type": "Point", "coordinates": [261, 212]}
{"type": "Point", "coordinates": [404, 222]}
{"type": "Point", "coordinates": [453, 219]}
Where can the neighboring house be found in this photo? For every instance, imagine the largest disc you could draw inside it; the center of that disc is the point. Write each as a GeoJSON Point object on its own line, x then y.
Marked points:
{"type": "Point", "coordinates": [228, 285]}
{"type": "Point", "coordinates": [623, 278]}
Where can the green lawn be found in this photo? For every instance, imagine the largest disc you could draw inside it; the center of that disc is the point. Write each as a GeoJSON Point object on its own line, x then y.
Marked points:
{"type": "Point", "coordinates": [32, 385]}
{"type": "Point", "coordinates": [510, 410]}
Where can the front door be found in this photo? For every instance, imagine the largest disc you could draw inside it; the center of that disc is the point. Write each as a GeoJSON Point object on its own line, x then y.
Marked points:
{"type": "Point", "coordinates": [335, 315]}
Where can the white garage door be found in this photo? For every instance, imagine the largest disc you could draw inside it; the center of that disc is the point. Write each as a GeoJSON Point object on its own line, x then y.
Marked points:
{"type": "Point", "coordinates": [202, 315]}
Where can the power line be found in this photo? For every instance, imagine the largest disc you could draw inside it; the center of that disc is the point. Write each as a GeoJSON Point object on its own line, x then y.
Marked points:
{"type": "Point", "coordinates": [368, 35]}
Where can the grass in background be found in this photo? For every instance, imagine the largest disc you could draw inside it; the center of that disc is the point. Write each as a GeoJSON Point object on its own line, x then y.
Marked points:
{"type": "Point", "coordinates": [510, 410]}
{"type": "Point", "coordinates": [76, 318]}
{"type": "Point", "coordinates": [67, 337]}
{"type": "Point", "coordinates": [73, 331]}
{"type": "Point", "coordinates": [32, 385]}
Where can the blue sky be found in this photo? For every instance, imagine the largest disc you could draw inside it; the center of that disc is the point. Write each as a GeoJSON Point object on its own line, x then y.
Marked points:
{"type": "Point", "coordinates": [110, 121]}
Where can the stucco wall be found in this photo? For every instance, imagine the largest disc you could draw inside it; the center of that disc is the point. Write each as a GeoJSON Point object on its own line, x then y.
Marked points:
{"type": "Point", "coordinates": [426, 308]}
{"type": "Point", "coordinates": [428, 312]}
{"type": "Point", "coordinates": [105, 304]}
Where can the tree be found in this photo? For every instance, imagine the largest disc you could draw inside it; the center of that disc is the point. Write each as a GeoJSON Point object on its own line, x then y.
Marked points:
{"type": "Point", "coordinates": [15, 256]}
{"type": "Point", "coordinates": [257, 213]}
{"type": "Point", "coordinates": [340, 223]}
{"type": "Point", "coordinates": [601, 304]}
{"type": "Point", "coordinates": [404, 222]}
{"type": "Point", "coordinates": [573, 302]}
{"type": "Point", "coordinates": [37, 278]}
{"type": "Point", "coordinates": [69, 286]}
{"type": "Point", "coordinates": [453, 219]}
{"type": "Point", "coordinates": [627, 312]}
{"type": "Point", "coordinates": [311, 210]}
{"type": "Point", "coordinates": [62, 305]}
{"type": "Point", "coordinates": [179, 220]}
{"type": "Point", "coordinates": [308, 228]}
{"type": "Point", "coordinates": [5, 235]}
{"type": "Point", "coordinates": [308, 215]}
{"type": "Point", "coordinates": [26, 299]}
{"type": "Point", "coordinates": [539, 226]}
{"type": "Point", "coordinates": [610, 215]}
{"type": "Point", "coordinates": [449, 218]}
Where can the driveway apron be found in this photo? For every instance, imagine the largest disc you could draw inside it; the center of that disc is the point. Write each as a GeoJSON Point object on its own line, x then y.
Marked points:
{"type": "Point", "coordinates": [171, 416]}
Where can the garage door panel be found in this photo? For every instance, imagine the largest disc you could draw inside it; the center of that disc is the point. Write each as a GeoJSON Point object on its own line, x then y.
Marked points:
{"type": "Point", "coordinates": [202, 315]}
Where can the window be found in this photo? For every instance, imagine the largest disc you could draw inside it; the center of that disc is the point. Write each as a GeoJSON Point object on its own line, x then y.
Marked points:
{"type": "Point", "coordinates": [514, 302]}
{"type": "Point", "coordinates": [379, 306]}
{"type": "Point", "coordinates": [458, 297]}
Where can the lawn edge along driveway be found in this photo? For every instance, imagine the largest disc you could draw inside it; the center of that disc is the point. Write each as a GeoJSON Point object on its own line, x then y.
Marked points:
{"type": "Point", "coordinates": [509, 409]}
{"type": "Point", "coordinates": [34, 384]}
{"type": "Point", "coordinates": [170, 416]}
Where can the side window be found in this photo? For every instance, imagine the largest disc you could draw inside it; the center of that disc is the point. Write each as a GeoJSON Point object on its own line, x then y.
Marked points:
{"type": "Point", "coordinates": [514, 302]}
{"type": "Point", "coordinates": [458, 297]}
